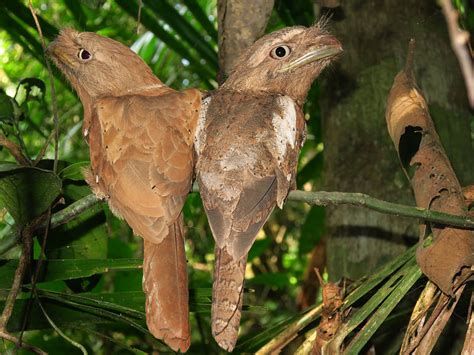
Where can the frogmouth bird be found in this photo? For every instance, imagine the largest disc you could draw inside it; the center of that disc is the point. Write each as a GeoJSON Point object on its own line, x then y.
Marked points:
{"type": "Point", "coordinates": [248, 140]}
{"type": "Point", "coordinates": [140, 134]}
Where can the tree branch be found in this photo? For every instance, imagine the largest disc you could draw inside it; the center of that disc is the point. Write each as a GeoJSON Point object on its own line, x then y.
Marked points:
{"type": "Point", "coordinates": [14, 150]}
{"type": "Point", "coordinates": [319, 198]}
{"type": "Point", "coordinates": [322, 198]}
{"type": "Point", "coordinates": [23, 345]}
{"type": "Point", "coordinates": [19, 273]}
{"type": "Point", "coordinates": [459, 40]}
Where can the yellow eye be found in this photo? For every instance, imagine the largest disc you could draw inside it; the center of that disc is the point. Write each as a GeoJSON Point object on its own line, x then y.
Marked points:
{"type": "Point", "coordinates": [280, 52]}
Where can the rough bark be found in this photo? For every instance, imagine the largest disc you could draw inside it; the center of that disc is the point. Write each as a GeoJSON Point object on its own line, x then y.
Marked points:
{"type": "Point", "coordinates": [358, 153]}
{"type": "Point", "coordinates": [241, 22]}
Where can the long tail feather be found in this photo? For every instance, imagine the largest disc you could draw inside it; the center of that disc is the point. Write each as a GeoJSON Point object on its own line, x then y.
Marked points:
{"type": "Point", "coordinates": [165, 283]}
{"type": "Point", "coordinates": [227, 296]}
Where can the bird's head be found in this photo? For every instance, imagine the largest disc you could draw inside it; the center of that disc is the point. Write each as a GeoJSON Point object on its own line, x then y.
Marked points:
{"type": "Point", "coordinates": [97, 66]}
{"type": "Point", "coordinates": [285, 61]}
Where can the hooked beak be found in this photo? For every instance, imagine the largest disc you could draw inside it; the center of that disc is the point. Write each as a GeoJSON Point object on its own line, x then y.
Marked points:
{"type": "Point", "coordinates": [54, 52]}
{"type": "Point", "coordinates": [329, 48]}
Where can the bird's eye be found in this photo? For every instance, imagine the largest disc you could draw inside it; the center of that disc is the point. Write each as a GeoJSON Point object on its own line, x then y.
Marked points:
{"type": "Point", "coordinates": [280, 52]}
{"type": "Point", "coordinates": [84, 55]}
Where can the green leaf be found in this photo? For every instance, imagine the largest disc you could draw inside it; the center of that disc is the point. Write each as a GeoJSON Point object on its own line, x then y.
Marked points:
{"type": "Point", "coordinates": [253, 342]}
{"type": "Point", "coordinates": [22, 12]}
{"type": "Point", "coordinates": [85, 237]}
{"type": "Point", "coordinates": [273, 279]}
{"type": "Point", "coordinates": [302, 320]}
{"type": "Point", "coordinates": [30, 89]}
{"type": "Point", "coordinates": [91, 308]}
{"type": "Point", "coordinates": [151, 23]}
{"type": "Point", "coordinates": [67, 269]}
{"type": "Point", "coordinates": [186, 31]}
{"type": "Point", "coordinates": [379, 276]}
{"type": "Point", "coordinates": [63, 315]}
{"type": "Point", "coordinates": [6, 107]}
{"type": "Point", "coordinates": [411, 275]}
{"type": "Point", "coordinates": [312, 229]}
{"type": "Point", "coordinates": [27, 192]}
{"type": "Point", "coordinates": [258, 248]}
{"type": "Point", "coordinates": [19, 33]}
{"type": "Point", "coordinates": [202, 18]}
{"type": "Point", "coordinates": [74, 171]}
{"type": "Point", "coordinates": [311, 171]}
{"type": "Point", "coordinates": [397, 283]}
{"type": "Point", "coordinates": [77, 12]}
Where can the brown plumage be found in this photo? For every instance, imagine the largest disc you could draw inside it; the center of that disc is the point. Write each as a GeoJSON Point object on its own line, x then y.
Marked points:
{"type": "Point", "coordinates": [249, 137]}
{"type": "Point", "coordinates": [140, 133]}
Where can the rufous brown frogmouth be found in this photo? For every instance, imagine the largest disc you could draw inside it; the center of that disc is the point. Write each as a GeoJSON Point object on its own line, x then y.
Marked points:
{"type": "Point", "coordinates": [140, 134]}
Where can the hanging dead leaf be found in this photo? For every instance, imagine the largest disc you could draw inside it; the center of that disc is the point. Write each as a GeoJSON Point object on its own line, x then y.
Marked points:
{"type": "Point", "coordinates": [434, 182]}
{"type": "Point", "coordinates": [468, 192]}
{"type": "Point", "coordinates": [331, 316]}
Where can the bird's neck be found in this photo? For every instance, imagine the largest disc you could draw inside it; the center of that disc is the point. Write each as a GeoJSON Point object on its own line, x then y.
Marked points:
{"type": "Point", "coordinates": [229, 90]}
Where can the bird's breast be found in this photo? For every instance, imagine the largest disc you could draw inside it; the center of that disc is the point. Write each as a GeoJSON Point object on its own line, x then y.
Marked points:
{"type": "Point", "coordinates": [284, 127]}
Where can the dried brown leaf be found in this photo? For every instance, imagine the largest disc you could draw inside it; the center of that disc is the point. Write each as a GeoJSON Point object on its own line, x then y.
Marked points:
{"type": "Point", "coordinates": [331, 317]}
{"type": "Point", "coordinates": [435, 328]}
{"type": "Point", "coordinates": [433, 180]}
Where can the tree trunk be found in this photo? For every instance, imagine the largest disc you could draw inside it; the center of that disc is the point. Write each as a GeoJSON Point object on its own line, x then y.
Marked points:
{"type": "Point", "coordinates": [359, 155]}
{"type": "Point", "coordinates": [241, 22]}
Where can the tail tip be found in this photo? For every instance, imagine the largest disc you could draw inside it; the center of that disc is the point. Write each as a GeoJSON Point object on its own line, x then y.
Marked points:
{"type": "Point", "coordinates": [172, 341]}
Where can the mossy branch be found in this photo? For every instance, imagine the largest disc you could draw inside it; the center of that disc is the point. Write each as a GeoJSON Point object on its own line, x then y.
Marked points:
{"type": "Point", "coordinates": [319, 198]}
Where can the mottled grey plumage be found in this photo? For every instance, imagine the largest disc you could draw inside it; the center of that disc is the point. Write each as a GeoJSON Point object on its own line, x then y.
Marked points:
{"type": "Point", "coordinates": [248, 140]}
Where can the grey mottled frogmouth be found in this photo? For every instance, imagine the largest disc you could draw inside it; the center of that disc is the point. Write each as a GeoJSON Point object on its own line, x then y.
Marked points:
{"type": "Point", "coordinates": [248, 140]}
{"type": "Point", "coordinates": [140, 133]}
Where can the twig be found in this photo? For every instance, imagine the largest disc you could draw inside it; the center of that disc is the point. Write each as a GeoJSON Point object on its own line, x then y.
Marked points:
{"type": "Point", "coordinates": [433, 328]}
{"type": "Point", "coordinates": [417, 319]}
{"type": "Point", "coordinates": [5, 335]}
{"type": "Point", "coordinates": [14, 150]}
{"type": "Point", "coordinates": [21, 142]}
{"type": "Point", "coordinates": [410, 58]}
{"type": "Point", "coordinates": [59, 331]}
{"type": "Point", "coordinates": [73, 210]}
{"type": "Point", "coordinates": [19, 273]}
{"type": "Point", "coordinates": [59, 218]}
{"type": "Point", "coordinates": [34, 279]}
{"type": "Point", "coordinates": [53, 90]}
{"type": "Point", "coordinates": [468, 347]}
{"type": "Point", "coordinates": [139, 15]}
{"type": "Point", "coordinates": [43, 149]}
{"type": "Point", "coordinates": [322, 198]}
{"type": "Point", "coordinates": [459, 39]}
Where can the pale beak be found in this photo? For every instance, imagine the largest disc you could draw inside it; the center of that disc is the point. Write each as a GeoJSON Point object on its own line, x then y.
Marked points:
{"type": "Point", "coordinates": [328, 49]}
{"type": "Point", "coordinates": [53, 51]}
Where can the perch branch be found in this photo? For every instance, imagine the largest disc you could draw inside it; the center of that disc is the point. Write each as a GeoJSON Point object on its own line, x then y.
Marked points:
{"type": "Point", "coordinates": [320, 198]}
{"type": "Point", "coordinates": [459, 39]}
{"type": "Point", "coordinates": [14, 150]}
